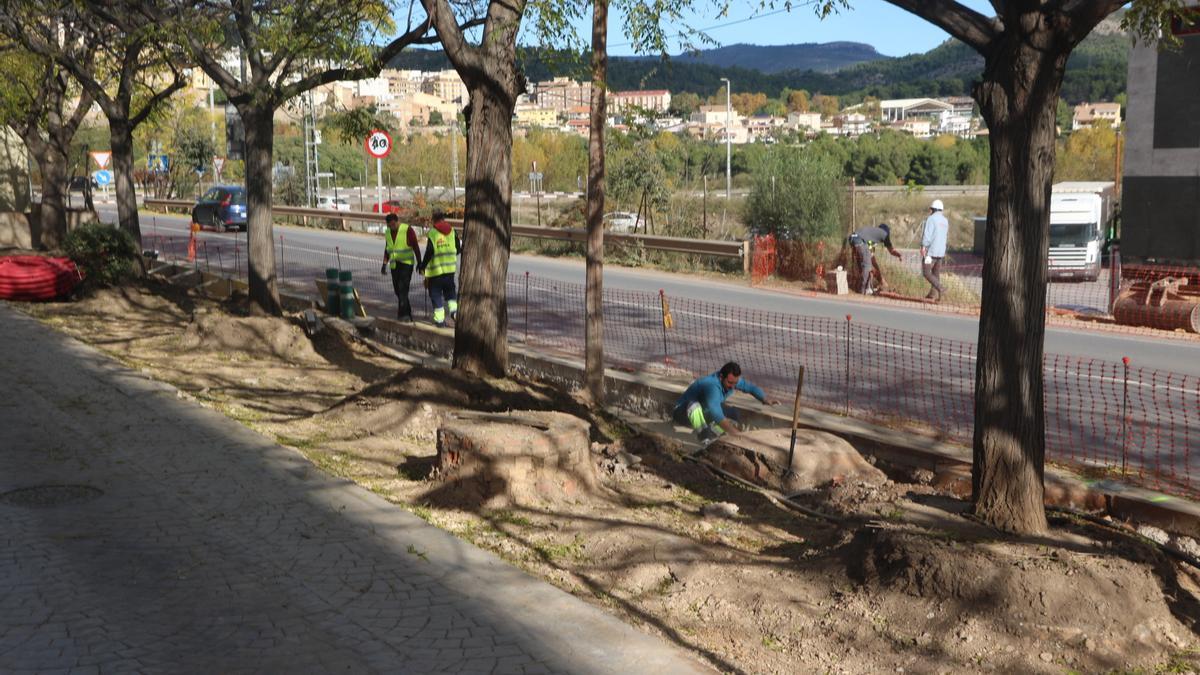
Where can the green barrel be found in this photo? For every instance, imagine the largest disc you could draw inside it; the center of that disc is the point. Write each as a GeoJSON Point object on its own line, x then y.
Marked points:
{"type": "Point", "coordinates": [346, 286]}
{"type": "Point", "coordinates": [332, 294]}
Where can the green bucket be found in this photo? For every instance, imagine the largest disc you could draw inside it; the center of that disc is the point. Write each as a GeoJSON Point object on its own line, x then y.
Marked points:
{"type": "Point", "coordinates": [332, 294]}
{"type": "Point", "coordinates": [346, 286]}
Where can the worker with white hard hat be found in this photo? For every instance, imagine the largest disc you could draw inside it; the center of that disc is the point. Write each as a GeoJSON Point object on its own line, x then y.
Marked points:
{"type": "Point", "coordinates": [933, 249]}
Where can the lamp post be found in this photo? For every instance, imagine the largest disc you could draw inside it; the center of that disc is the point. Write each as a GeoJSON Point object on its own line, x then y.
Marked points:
{"type": "Point", "coordinates": [728, 146]}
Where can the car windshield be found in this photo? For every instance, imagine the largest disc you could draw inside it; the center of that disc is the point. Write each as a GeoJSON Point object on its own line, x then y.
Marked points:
{"type": "Point", "coordinates": [1071, 234]}
{"type": "Point", "coordinates": [213, 195]}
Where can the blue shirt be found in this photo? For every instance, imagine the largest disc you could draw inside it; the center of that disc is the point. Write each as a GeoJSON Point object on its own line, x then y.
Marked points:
{"type": "Point", "coordinates": [711, 395]}
{"type": "Point", "coordinates": [934, 239]}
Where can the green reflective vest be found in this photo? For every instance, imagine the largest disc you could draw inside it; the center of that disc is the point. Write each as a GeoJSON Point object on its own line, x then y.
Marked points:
{"type": "Point", "coordinates": [398, 250]}
{"type": "Point", "coordinates": [445, 252]}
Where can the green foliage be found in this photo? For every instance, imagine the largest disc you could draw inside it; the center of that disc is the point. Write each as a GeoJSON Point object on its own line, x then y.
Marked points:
{"type": "Point", "coordinates": [353, 126]}
{"type": "Point", "coordinates": [1087, 154]}
{"type": "Point", "coordinates": [106, 255]}
{"type": "Point", "coordinates": [797, 193]}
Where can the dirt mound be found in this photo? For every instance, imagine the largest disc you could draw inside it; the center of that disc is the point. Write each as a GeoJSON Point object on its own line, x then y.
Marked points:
{"type": "Point", "coordinates": [1101, 600]}
{"type": "Point", "coordinates": [133, 301]}
{"type": "Point", "coordinates": [762, 457]}
{"type": "Point", "coordinates": [257, 336]}
{"type": "Point", "coordinates": [411, 403]}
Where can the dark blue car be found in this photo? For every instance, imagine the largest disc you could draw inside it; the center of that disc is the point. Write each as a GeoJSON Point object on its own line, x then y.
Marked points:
{"type": "Point", "coordinates": [223, 207]}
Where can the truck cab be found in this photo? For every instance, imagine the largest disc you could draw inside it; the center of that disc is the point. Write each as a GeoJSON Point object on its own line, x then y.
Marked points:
{"type": "Point", "coordinates": [1079, 215]}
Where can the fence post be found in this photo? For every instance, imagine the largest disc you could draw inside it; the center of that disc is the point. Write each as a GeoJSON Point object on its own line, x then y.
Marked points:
{"type": "Point", "coordinates": [662, 301]}
{"type": "Point", "coordinates": [527, 307]}
{"type": "Point", "coordinates": [338, 251]}
{"type": "Point", "coordinates": [220, 262]}
{"type": "Point", "coordinates": [847, 407]}
{"type": "Point", "coordinates": [1125, 416]}
{"type": "Point", "coordinates": [747, 259]}
{"type": "Point", "coordinates": [237, 261]}
{"type": "Point", "coordinates": [282, 267]}
{"type": "Point", "coordinates": [207, 263]}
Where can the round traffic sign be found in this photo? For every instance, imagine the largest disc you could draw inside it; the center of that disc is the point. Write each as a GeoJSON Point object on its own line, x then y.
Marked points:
{"type": "Point", "coordinates": [103, 177]}
{"type": "Point", "coordinates": [379, 144]}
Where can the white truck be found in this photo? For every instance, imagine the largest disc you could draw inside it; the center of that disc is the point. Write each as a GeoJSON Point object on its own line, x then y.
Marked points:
{"type": "Point", "coordinates": [1079, 220]}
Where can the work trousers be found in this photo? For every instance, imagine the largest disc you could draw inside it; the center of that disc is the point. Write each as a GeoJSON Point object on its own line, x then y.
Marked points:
{"type": "Point", "coordinates": [933, 274]}
{"type": "Point", "coordinates": [401, 279]}
{"type": "Point", "coordinates": [442, 294]}
{"type": "Point", "coordinates": [865, 262]}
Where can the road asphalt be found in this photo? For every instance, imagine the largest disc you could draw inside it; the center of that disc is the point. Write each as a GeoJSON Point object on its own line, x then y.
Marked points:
{"type": "Point", "coordinates": [1171, 355]}
{"type": "Point", "coordinates": [144, 533]}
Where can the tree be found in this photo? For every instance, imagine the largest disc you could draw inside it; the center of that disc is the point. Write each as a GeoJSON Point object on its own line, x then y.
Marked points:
{"type": "Point", "coordinates": [594, 300]}
{"type": "Point", "coordinates": [119, 58]}
{"type": "Point", "coordinates": [435, 118]}
{"type": "Point", "coordinates": [826, 105]}
{"type": "Point", "coordinates": [1063, 116]}
{"type": "Point", "coordinates": [35, 104]}
{"type": "Point", "coordinates": [684, 104]}
{"type": "Point", "coordinates": [286, 49]}
{"type": "Point", "coordinates": [1025, 50]}
{"type": "Point", "coordinates": [797, 193]}
{"type": "Point", "coordinates": [797, 101]}
{"type": "Point", "coordinates": [494, 79]}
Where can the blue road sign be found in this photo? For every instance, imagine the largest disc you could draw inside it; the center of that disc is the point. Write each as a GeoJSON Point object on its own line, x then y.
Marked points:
{"type": "Point", "coordinates": [159, 162]}
{"type": "Point", "coordinates": [102, 177]}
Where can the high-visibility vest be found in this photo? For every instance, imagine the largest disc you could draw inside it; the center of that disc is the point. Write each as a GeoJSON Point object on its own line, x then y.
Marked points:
{"type": "Point", "coordinates": [397, 249]}
{"type": "Point", "coordinates": [445, 252]}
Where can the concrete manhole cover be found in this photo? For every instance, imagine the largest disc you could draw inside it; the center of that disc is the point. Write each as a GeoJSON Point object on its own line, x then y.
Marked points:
{"type": "Point", "coordinates": [49, 495]}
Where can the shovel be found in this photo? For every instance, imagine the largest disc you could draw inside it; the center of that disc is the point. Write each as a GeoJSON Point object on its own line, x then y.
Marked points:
{"type": "Point", "coordinates": [789, 473]}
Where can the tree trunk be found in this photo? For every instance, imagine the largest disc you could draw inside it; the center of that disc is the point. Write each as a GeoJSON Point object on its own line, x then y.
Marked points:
{"type": "Point", "coordinates": [260, 145]}
{"type": "Point", "coordinates": [51, 227]}
{"type": "Point", "coordinates": [481, 330]}
{"type": "Point", "coordinates": [122, 166]}
{"type": "Point", "coordinates": [1016, 97]}
{"type": "Point", "coordinates": [594, 322]}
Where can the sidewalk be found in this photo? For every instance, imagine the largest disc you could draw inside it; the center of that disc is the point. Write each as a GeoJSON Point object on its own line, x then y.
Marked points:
{"type": "Point", "coordinates": [178, 540]}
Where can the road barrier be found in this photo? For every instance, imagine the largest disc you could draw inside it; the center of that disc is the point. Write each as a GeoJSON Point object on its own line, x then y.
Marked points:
{"type": "Point", "coordinates": [1106, 419]}
{"type": "Point", "coordinates": [704, 247]}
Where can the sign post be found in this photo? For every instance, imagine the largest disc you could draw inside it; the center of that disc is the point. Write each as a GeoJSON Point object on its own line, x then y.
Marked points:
{"type": "Point", "coordinates": [101, 158]}
{"type": "Point", "coordinates": [379, 144]}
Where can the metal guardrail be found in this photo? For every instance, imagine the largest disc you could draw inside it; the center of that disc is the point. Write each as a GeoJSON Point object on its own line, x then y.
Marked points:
{"type": "Point", "coordinates": [707, 247]}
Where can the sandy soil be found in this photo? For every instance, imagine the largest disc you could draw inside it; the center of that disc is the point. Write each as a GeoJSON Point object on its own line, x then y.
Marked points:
{"type": "Point", "coordinates": [900, 581]}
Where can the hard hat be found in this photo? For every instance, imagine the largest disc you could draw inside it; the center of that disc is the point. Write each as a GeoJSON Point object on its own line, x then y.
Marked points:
{"type": "Point", "coordinates": [937, 205]}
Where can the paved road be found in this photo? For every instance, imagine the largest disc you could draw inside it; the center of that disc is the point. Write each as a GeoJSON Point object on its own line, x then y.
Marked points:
{"type": "Point", "coordinates": [1181, 356]}
{"type": "Point", "coordinates": [891, 362]}
{"type": "Point", "coordinates": [185, 542]}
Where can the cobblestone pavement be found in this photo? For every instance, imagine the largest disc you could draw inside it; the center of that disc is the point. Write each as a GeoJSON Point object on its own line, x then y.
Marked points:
{"type": "Point", "coordinates": [179, 540]}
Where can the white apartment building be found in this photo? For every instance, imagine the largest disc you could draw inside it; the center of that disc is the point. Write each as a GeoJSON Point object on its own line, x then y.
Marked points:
{"type": "Point", "coordinates": [657, 100]}
{"type": "Point", "coordinates": [446, 85]}
{"type": "Point", "coordinates": [562, 94]}
{"type": "Point", "coordinates": [809, 121]}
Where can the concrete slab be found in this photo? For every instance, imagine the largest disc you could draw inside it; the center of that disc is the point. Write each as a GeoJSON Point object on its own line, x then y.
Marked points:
{"type": "Point", "coordinates": [179, 540]}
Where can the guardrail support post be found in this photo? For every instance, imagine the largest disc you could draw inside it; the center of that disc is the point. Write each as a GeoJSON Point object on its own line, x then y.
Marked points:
{"type": "Point", "coordinates": [746, 259]}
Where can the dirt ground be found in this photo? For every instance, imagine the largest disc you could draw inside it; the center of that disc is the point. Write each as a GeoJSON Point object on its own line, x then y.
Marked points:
{"type": "Point", "coordinates": [898, 581]}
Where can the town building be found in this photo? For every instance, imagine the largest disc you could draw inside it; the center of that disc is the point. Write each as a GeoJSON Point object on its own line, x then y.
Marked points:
{"type": "Point", "coordinates": [1087, 114]}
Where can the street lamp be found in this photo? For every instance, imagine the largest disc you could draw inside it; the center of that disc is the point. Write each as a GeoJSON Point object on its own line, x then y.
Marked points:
{"type": "Point", "coordinates": [728, 150]}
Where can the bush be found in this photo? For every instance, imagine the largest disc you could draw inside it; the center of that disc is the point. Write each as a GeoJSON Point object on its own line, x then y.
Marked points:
{"type": "Point", "coordinates": [106, 255]}
{"type": "Point", "coordinates": [796, 195]}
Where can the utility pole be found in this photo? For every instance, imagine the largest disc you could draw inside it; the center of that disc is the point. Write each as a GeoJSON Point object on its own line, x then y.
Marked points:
{"type": "Point", "coordinates": [728, 141]}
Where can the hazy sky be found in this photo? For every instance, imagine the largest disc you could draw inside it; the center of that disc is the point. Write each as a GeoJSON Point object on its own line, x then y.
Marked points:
{"type": "Point", "coordinates": [892, 31]}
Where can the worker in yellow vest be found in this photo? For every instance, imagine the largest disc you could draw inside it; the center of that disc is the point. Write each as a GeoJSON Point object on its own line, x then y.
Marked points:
{"type": "Point", "coordinates": [400, 253]}
{"type": "Point", "coordinates": [438, 267]}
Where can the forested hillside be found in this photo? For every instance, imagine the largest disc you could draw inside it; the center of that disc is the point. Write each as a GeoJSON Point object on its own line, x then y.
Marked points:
{"type": "Point", "coordinates": [1096, 71]}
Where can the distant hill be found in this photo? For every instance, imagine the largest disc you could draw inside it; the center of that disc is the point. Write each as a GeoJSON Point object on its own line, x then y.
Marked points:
{"type": "Point", "coordinates": [821, 58]}
{"type": "Point", "coordinates": [1096, 71]}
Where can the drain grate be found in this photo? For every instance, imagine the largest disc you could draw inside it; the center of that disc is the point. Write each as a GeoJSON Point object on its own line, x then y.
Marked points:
{"type": "Point", "coordinates": [49, 495]}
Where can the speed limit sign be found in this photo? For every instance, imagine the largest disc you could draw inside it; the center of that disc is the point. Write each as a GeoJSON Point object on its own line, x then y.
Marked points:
{"type": "Point", "coordinates": [379, 144]}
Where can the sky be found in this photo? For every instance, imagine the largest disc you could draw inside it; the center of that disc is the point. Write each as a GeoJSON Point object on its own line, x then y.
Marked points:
{"type": "Point", "coordinates": [892, 31]}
